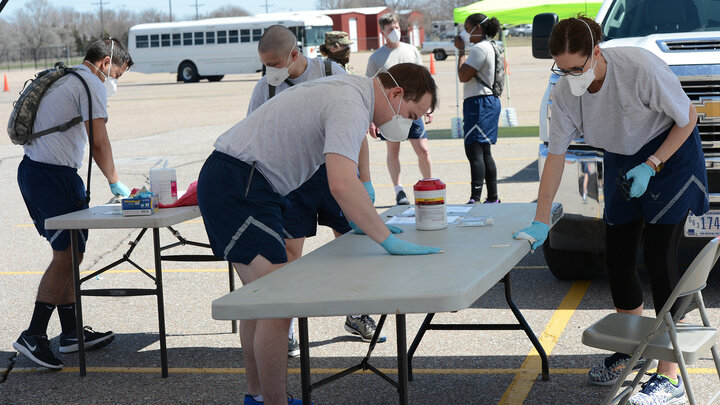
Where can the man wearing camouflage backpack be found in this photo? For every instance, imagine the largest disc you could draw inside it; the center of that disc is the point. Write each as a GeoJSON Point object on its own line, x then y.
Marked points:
{"type": "Point", "coordinates": [50, 185]}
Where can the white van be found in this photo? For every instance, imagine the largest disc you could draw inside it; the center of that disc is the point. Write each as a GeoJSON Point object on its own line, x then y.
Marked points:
{"type": "Point", "coordinates": [686, 35]}
{"type": "Point", "coordinates": [215, 47]}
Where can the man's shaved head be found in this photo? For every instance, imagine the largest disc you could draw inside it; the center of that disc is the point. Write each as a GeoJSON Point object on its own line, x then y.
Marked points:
{"type": "Point", "coordinates": [277, 39]}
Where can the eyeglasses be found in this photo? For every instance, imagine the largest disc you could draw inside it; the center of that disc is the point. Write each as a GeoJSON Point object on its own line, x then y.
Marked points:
{"type": "Point", "coordinates": [576, 71]}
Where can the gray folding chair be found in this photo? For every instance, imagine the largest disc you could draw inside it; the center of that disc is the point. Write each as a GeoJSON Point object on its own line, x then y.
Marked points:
{"type": "Point", "coordinates": [662, 337]}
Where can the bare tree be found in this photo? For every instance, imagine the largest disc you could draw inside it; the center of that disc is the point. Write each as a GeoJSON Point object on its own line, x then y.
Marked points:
{"type": "Point", "coordinates": [336, 4]}
{"type": "Point", "coordinates": [37, 25]}
{"type": "Point", "coordinates": [227, 11]}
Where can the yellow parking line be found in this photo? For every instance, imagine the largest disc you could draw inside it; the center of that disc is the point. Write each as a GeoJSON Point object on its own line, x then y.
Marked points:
{"type": "Point", "coordinates": [520, 387]}
{"type": "Point", "coordinates": [390, 371]}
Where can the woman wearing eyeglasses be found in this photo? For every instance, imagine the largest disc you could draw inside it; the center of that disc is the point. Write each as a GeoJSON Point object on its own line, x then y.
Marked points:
{"type": "Point", "coordinates": [626, 101]}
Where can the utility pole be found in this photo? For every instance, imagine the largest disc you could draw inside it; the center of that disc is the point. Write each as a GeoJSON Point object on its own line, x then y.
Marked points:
{"type": "Point", "coordinates": [267, 6]}
{"type": "Point", "coordinates": [197, 12]}
{"type": "Point", "coordinates": [102, 23]}
{"type": "Point", "coordinates": [170, 4]}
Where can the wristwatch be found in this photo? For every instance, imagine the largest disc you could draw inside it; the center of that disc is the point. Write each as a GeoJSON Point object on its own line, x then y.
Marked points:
{"type": "Point", "coordinates": [657, 162]}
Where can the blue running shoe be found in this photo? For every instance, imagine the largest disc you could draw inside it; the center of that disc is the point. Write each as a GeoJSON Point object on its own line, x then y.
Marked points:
{"type": "Point", "coordinates": [249, 400]}
{"type": "Point", "coordinates": [658, 390]}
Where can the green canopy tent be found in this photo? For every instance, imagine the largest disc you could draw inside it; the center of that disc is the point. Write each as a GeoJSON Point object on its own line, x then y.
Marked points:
{"type": "Point", "coordinates": [514, 12]}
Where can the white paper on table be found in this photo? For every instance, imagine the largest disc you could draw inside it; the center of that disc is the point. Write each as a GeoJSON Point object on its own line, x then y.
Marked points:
{"type": "Point", "coordinates": [401, 221]}
{"type": "Point", "coordinates": [452, 218]}
{"type": "Point", "coordinates": [455, 209]}
{"type": "Point", "coordinates": [410, 212]}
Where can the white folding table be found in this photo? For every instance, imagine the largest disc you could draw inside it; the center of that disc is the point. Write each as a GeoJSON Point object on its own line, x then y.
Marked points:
{"type": "Point", "coordinates": [109, 216]}
{"type": "Point", "coordinates": [354, 275]}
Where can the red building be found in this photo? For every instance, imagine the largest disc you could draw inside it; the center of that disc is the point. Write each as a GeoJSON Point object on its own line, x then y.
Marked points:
{"type": "Point", "coordinates": [361, 24]}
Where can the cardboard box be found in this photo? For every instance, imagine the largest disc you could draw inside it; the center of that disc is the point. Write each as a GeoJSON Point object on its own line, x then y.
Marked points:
{"type": "Point", "coordinates": [132, 206]}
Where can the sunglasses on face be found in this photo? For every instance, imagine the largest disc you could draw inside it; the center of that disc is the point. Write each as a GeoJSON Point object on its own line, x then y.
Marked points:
{"type": "Point", "coordinates": [576, 71]}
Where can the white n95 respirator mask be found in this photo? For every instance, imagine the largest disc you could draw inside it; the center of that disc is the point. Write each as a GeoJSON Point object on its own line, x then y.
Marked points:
{"type": "Point", "coordinates": [579, 84]}
{"type": "Point", "coordinates": [275, 76]}
{"type": "Point", "coordinates": [398, 128]}
{"type": "Point", "coordinates": [394, 36]}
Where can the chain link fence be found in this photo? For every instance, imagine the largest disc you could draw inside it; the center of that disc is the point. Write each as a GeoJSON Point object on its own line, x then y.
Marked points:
{"type": "Point", "coordinates": [38, 58]}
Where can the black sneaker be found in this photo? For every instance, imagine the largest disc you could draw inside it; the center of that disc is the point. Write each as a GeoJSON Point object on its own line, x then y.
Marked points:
{"type": "Point", "coordinates": [37, 349]}
{"type": "Point", "coordinates": [93, 340]}
{"type": "Point", "coordinates": [401, 198]}
{"type": "Point", "coordinates": [293, 347]}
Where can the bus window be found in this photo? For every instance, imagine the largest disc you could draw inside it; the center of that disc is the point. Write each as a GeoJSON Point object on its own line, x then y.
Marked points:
{"type": "Point", "coordinates": [222, 37]}
{"type": "Point", "coordinates": [233, 36]}
{"type": "Point", "coordinates": [198, 38]}
{"type": "Point", "coordinates": [244, 35]}
{"type": "Point", "coordinates": [210, 37]}
{"type": "Point", "coordinates": [165, 39]}
{"type": "Point", "coordinates": [315, 36]}
{"type": "Point", "coordinates": [187, 38]}
{"type": "Point", "coordinates": [154, 41]}
{"type": "Point", "coordinates": [258, 33]}
{"type": "Point", "coordinates": [141, 41]}
{"type": "Point", "coordinates": [176, 40]}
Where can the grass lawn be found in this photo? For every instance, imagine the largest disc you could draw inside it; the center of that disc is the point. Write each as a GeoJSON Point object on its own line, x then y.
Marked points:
{"type": "Point", "coordinates": [503, 132]}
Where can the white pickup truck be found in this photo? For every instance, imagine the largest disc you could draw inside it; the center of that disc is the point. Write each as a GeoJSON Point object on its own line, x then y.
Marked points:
{"type": "Point", "coordinates": [686, 35]}
{"type": "Point", "coordinates": [441, 50]}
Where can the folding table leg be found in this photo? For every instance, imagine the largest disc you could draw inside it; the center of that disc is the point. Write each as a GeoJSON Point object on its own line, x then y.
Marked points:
{"type": "Point", "coordinates": [416, 342]}
{"type": "Point", "coordinates": [160, 302]}
{"type": "Point", "coordinates": [525, 327]}
{"type": "Point", "coordinates": [75, 249]}
{"type": "Point", "coordinates": [402, 358]}
{"type": "Point", "coordinates": [305, 361]}
{"type": "Point", "coordinates": [231, 275]}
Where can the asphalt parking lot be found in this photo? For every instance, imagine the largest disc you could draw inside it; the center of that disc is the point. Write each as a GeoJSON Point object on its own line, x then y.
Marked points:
{"type": "Point", "coordinates": [152, 117]}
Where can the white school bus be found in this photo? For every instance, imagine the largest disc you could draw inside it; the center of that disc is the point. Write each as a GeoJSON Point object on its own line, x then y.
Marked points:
{"type": "Point", "coordinates": [212, 48]}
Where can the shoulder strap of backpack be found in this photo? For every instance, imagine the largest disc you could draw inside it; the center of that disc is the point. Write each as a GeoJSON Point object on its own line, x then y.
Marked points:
{"type": "Point", "coordinates": [59, 128]}
{"type": "Point", "coordinates": [328, 67]}
{"type": "Point", "coordinates": [90, 134]}
{"type": "Point", "coordinates": [271, 88]}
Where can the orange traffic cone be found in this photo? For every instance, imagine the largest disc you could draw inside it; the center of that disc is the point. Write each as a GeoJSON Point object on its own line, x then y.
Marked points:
{"type": "Point", "coordinates": [7, 87]}
{"type": "Point", "coordinates": [432, 64]}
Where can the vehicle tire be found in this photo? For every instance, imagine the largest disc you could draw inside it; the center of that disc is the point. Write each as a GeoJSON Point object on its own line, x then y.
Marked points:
{"type": "Point", "coordinates": [572, 265]}
{"type": "Point", "coordinates": [440, 54]}
{"type": "Point", "coordinates": [187, 72]}
{"type": "Point", "coordinates": [215, 78]}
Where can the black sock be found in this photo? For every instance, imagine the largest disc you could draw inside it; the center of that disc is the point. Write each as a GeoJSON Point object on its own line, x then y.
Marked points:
{"type": "Point", "coordinates": [40, 318]}
{"type": "Point", "coordinates": [66, 312]}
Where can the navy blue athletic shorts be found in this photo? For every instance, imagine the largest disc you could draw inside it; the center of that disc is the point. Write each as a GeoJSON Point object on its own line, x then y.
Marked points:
{"type": "Point", "coordinates": [312, 204]}
{"type": "Point", "coordinates": [417, 130]}
{"type": "Point", "coordinates": [52, 190]}
{"type": "Point", "coordinates": [680, 186]}
{"type": "Point", "coordinates": [241, 222]}
{"type": "Point", "coordinates": [480, 119]}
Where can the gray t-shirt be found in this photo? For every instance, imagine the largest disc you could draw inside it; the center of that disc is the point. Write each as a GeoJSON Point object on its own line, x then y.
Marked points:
{"type": "Point", "coordinates": [287, 137]}
{"type": "Point", "coordinates": [63, 101]}
{"type": "Point", "coordinates": [639, 99]}
{"type": "Point", "coordinates": [315, 69]}
{"type": "Point", "coordinates": [482, 59]}
{"type": "Point", "coordinates": [384, 58]}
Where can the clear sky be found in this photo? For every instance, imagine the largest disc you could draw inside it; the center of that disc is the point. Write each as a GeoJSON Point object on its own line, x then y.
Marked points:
{"type": "Point", "coordinates": [180, 8]}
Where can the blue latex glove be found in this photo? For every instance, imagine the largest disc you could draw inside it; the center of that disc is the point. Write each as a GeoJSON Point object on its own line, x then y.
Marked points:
{"type": "Point", "coordinates": [640, 176]}
{"type": "Point", "coordinates": [370, 190]}
{"type": "Point", "coordinates": [396, 246]}
{"type": "Point", "coordinates": [119, 189]}
{"type": "Point", "coordinates": [536, 234]}
{"type": "Point", "coordinates": [357, 230]}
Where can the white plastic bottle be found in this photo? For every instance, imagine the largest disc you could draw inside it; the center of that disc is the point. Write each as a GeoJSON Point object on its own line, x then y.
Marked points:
{"type": "Point", "coordinates": [163, 182]}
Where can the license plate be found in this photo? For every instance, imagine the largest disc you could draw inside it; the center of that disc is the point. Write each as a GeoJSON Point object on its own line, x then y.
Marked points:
{"type": "Point", "coordinates": [704, 226]}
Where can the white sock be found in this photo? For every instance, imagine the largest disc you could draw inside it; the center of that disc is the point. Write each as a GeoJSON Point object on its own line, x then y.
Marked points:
{"type": "Point", "coordinates": [258, 398]}
{"type": "Point", "coordinates": [398, 188]}
{"type": "Point", "coordinates": [355, 316]}
{"type": "Point", "coordinates": [291, 330]}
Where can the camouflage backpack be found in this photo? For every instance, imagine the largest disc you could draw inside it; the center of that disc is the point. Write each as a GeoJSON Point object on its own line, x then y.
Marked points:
{"type": "Point", "coordinates": [498, 83]}
{"type": "Point", "coordinates": [22, 118]}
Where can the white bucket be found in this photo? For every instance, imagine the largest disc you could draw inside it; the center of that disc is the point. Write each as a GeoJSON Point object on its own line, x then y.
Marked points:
{"type": "Point", "coordinates": [456, 127]}
{"type": "Point", "coordinates": [163, 182]}
{"type": "Point", "coordinates": [430, 211]}
{"type": "Point", "coordinates": [508, 116]}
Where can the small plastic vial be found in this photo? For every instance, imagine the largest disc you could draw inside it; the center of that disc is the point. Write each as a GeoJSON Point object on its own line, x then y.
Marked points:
{"type": "Point", "coordinates": [475, 221]}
